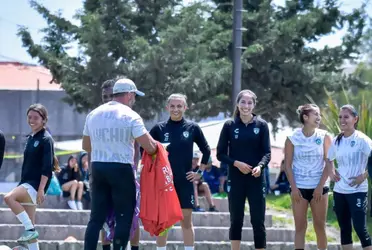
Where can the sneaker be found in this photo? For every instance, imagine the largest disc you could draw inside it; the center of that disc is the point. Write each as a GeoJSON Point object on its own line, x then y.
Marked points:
{"type": "Point", "coordinates": [28, 236]}
{"type": "Point", "coordinates": [213, 209]}
{"type": "Point", "coordinates": [79, 205]}
{"type": "Point", "coordinates": [198, 209]}
{"type": "Point", "coordinates": [72, 205]}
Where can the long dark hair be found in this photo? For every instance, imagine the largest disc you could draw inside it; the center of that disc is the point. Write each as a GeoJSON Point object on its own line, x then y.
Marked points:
{"type": "Point", "coordinates": [43, 112]}
{"type": "Point", "coordinates": [354, 113]}
{"type": "Point", "coordinates": [239, 97]}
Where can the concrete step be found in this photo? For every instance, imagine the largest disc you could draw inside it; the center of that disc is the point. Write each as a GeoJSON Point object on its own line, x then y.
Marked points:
{"type": "Point", "coordinates": [70, 217]}
{"type": "Point", "coordinates": [61, 232]}
{"type": "Point", "coordinates": [57, 202]}
{"type": "Point", "coordinates": [178, 245]}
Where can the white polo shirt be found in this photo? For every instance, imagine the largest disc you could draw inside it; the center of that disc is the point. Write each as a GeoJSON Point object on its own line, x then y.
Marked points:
{"type": "Point", "coordinates": [352, 158]}
{"type": "Point", "coordinates": [112, 128]}
{"type": "Point", "coordinates": [308, 158]}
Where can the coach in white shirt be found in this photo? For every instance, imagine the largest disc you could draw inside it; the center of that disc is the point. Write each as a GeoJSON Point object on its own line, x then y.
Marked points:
{"type": "Point", "coordinates": [109, 134]}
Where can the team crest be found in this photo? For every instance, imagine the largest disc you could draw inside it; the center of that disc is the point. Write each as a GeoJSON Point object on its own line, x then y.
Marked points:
{"type": "Point", "coordinates": [166, 137]}
{"type": "Point", "coordinates": [36, 144]}
{"type": "Point", "coordinates": [256, 130]}
{"type": "Point", "coordinates": [318, 141]}
{"type": "Point", "coordinates": [352, 143]}
{"type": "Point", "coordinates": [186, 134]}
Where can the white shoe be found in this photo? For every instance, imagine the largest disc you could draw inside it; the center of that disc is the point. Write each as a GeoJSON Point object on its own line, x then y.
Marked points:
{"type": "Point", "coordinates": [79, 205]}
{"type": "Point", "coordinates": [72, 204]}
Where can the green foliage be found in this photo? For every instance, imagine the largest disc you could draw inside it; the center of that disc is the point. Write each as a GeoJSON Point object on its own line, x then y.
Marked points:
{"type": "Point", "coordinates": [165, 47]}
{"type": "Point", "coordinates": [364, 108]}
{"type": "Point", "coordinates": [366, 46]}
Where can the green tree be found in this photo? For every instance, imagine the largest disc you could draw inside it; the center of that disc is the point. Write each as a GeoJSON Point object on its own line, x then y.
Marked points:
{"type": "Point", "coordinates": [279, 66]}
{"type": "Point", "coordinates": [167, 48]}
{"type": "Point", "coordinates": [366, 48]}
{"type": "Point", "coordinates": [111, 37]}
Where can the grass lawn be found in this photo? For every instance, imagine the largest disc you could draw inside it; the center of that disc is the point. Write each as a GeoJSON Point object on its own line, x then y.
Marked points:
{"type": "Point", "coordinates": [283, 203]}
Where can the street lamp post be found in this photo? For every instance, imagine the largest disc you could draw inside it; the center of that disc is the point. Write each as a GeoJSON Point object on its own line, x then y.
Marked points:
{"type": "Point", "coordinates": [237, 48]}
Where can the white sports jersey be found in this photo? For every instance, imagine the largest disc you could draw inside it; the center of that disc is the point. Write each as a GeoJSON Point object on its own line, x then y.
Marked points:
{"type": "Point", "coordinates": [352, 157]}
{"type": "Point", "coordinates": [112, 128]}
{"type": "Point", "coordinates": [308, 158]}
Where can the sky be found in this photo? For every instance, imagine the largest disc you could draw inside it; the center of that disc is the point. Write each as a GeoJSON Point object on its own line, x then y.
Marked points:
{"type": "Point", "coordinates": [19, 12]}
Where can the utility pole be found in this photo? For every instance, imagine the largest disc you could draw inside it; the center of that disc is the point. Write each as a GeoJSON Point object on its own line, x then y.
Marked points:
{"type": "Point", "coordinates": [237, 48]}
{"type": "Point", "coordinates": [37, 90]}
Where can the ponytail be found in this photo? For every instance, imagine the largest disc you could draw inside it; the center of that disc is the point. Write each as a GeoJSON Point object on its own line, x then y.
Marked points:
{"type": "Point", "coordinates": [236, 112]}
{"type": "Point", "coordinates": [339, 137]}
{"type": "Point", "coordinates": [56, 167]}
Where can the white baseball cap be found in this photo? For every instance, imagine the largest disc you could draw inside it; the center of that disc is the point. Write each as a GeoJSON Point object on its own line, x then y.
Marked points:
{"type": "Point", "coordinates": [125, 85]}
{"type": "Point", "coordinates": [196, 155]}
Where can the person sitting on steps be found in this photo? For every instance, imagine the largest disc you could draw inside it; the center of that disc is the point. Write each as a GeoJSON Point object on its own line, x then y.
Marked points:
{"type": "Point", "coordinates": [69, 178]}
{"type": "Point", "coordinates": [201, 187]}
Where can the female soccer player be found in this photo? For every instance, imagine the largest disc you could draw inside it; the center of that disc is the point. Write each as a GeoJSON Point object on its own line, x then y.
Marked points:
{"type": "Point", "coordinates": [39, 163]}
{"type": "Point", "coordinates": [244, 145]}
{"type": "Point", "coordinates": [351, 149]}
{"type": "Point", "coordinates": [305, 153]}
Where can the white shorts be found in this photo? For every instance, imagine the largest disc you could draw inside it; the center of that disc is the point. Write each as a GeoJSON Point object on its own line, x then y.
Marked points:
{"type": "Point", "coordinates": [31, 192]}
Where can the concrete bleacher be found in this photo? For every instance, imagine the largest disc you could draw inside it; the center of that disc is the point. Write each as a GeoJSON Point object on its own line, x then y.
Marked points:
{"type": "Point", "coordinates": [55, 223]}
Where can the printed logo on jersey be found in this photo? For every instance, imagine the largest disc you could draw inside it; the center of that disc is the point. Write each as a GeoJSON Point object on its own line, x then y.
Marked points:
{"type": "Point", "coordinates": [36, 143]}
{"type": "Point", "coordinates": [256, 130]}
{"type": "Point", "coordinates": [166, 137]}
{"type": "Point", "coordinates": [186, 134]}
{"type": "Point", "coordinates": [192, 200]}
{"type": "Point", "coordinates": [359, 202]}
{"type": "Point", "coordinates": [352, 143]}
{"type": "Point", "coordinates": [318, 141]}
{"type": "Point", "coordinates": [236, 131]}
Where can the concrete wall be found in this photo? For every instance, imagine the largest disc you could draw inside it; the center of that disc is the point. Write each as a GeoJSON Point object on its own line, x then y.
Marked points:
{"type": "Point", "coordinates": [63, 120]}
{"type": "Point", "coordinates": [64, 123]}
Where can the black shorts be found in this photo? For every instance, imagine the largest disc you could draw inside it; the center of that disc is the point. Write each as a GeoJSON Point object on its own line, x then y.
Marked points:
{"type": "Point", "coordinates": [185, 193]}
{"type": "Point", "coordinates": [307, 194]}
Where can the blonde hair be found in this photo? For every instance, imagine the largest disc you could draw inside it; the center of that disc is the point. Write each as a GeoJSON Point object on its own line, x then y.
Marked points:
{"type": "Point", "coordinates": [177, 96]}
{"type": "Point", "coordinates": [239, 97]}
{"type": "Point", "coordinates": [305, 109]}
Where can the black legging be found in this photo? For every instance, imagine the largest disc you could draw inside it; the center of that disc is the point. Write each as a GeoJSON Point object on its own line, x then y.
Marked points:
{"type": "Point", "coordinates": [116, 181]}
{"type": "Point", "coordinates": [241, 188]}
{"type": "Point", "coordinates": [352, 208]}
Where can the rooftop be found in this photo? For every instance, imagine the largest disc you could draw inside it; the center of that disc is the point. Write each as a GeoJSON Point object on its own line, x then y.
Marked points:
{"type": "Point", "coordinates": [20, 76]}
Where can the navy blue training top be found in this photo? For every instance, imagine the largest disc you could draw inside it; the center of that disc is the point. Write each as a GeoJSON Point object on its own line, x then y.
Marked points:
{"type": "Point", "coordinates": [38, 159]}
{"type": "Point", "coordinates": [181, 135]}
{"type": "Point", "coordinates": [248, 143]}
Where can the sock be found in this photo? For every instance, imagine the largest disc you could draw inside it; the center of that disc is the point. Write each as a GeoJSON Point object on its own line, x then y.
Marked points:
{"type": "Point", "coordinates": [134, 247]}
{"type": "Point", "coordinates": [161, 248]}
{"type": "Point", "coordinates": [106, 247]}
{"type": "Point", "coordinates": [189, 248]}
{"type": "Point", "coordinates": [33, 246]}
{"type": "Point", "coordinates": [25, 220]}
